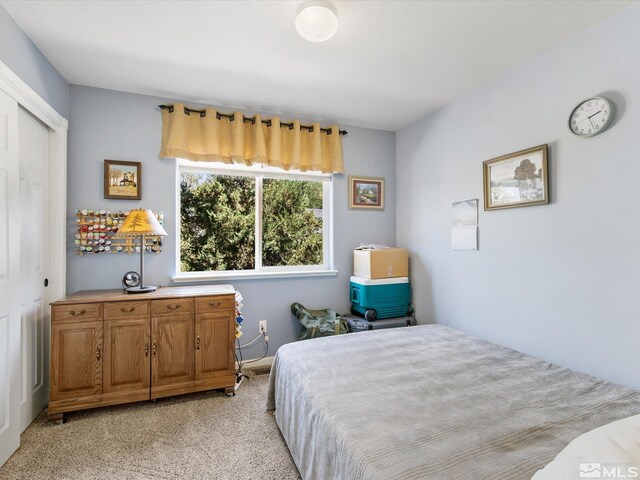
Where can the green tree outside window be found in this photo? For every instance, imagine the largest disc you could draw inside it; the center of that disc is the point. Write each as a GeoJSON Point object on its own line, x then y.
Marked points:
{"type": "Point", "coordinates": [218, 218]}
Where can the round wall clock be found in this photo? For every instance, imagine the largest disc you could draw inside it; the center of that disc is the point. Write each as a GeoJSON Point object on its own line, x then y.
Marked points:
{"type": "Point", "coordinates": [591, 117]}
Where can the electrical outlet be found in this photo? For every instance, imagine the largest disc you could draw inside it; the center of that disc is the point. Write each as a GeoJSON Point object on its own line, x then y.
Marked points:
{"type": "Point", "coordinates": [262, 326]}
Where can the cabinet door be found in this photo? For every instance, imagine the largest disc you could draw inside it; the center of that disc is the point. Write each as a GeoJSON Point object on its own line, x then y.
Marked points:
{"type": "Point", "coordinates": [76, 365]}
{"type": "Point", "coordinates": [172, 365]}
{"type": "Point", "coordinates": [215, 361]}
{"type": "Point", "coordinates": [127, 365]}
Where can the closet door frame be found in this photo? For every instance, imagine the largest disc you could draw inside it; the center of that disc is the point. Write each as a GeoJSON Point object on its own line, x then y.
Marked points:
{"type": "Point", "coordinates": [27, 98]}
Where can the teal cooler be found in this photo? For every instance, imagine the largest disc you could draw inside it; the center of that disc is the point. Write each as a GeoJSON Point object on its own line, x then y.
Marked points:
{"type": "Point", "coordinates": [383, 298]}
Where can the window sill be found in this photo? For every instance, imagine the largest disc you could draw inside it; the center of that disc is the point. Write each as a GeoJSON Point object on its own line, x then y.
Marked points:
{"type": "Point", "coordinates": [209, 276]}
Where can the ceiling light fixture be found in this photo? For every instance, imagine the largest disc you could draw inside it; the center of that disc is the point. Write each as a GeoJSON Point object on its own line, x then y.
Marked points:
{"type": "Point", "coordinates": [316, 21]}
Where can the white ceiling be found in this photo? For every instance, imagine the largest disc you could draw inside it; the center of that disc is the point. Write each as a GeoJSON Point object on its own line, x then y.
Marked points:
{"type": "Point", "coordinates": [390, 63]}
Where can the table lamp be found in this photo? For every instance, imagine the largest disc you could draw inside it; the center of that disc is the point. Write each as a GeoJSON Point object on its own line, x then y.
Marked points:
{"type": "Point", "coordinates": [140, 222]}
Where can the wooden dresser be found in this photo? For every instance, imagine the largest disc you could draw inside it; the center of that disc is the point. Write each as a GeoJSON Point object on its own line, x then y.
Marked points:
{"type": "Point", "coordinates": [110, 347]}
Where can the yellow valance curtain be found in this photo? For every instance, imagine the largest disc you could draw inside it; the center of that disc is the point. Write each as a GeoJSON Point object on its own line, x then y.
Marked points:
{"type": "Point", "coordinates": [211, 136]}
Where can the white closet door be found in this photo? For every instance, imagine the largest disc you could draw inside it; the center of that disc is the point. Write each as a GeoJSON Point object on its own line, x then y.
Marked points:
{"type": "Point", "coordinates": [34, 266]}
{"type": "Point", "coordinates": [9, 279]}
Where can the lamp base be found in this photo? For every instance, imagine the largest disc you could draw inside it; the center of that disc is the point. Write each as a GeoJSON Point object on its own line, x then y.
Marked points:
{"type": "Point", "coordinates": [141, 289]}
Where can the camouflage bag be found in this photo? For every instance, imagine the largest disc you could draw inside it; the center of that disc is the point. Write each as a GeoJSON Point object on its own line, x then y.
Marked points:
{"type": "Point", "coordinates": [318, 323]}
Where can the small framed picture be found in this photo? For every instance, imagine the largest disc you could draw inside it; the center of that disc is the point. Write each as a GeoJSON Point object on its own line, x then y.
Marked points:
{"type": "Point", "coordinates": [366, 193]}
{"type": "Point", "coordinates": [518, 179]}
{"type": "Point", "coordinates": [122, 180]}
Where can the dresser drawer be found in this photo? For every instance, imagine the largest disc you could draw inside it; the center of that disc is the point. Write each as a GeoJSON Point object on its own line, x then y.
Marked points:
{"type": "Point", "coordinates": [173, 305]}
{"type": "Point", "coordinates": [126, 309]}
{"type": "Point", "coordinates": [79, 311]}
{"type": "Point", "coordinates": [212, 304]}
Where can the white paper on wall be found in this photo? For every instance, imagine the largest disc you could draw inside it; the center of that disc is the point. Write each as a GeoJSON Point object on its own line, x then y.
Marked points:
{"type": "Point", "coordinates": [464, 237]}
{"type": "Point", "coordinates": [465, 212]}
{"type": "Point", "coordinates": [464, 230]}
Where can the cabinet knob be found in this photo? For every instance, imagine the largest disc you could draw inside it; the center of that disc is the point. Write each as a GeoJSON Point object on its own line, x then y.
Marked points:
{"type": "Point", "coordinates": [198, 342]}
{"type": "Point", "coordinates": [173, 307]}
{"type": "Point", "coordinates": [146, 349]}
{"type": "Point", "coordinates": [127, 310]}
{"type": "Point", "coordinates": [154, 349]}
{"type": "Point", "coordinates": [77, 314]}
{"type": "Point", "coordinates": [215, 304]}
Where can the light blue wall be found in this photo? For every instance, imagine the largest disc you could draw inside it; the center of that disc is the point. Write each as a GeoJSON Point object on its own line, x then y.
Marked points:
{"type": "Point", "coordinates": [114, 125]}
{"type": "Point", "coordinates": [559, 281]}
{"type": "Point", "coordinates": [20, 54]}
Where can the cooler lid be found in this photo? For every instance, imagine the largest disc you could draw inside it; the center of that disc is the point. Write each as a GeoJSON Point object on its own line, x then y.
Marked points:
{"type": "Point", "coordinates": [379, 281]}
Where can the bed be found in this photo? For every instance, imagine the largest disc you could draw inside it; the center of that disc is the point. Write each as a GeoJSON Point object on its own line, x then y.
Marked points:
{"type": "Point", "coordinates": [430, 402]}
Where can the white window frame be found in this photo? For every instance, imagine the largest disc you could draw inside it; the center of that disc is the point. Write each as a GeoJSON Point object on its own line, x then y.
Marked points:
{"type": "Point", "coordinates": [259, 172]}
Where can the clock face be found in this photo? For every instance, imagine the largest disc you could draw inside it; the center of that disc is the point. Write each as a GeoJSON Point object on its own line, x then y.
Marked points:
{"type": "Point", "coordinates": [591, 117]}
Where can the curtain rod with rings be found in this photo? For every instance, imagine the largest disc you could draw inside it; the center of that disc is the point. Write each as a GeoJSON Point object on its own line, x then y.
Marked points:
{"type": "Point", "coordinates": [231, 116]}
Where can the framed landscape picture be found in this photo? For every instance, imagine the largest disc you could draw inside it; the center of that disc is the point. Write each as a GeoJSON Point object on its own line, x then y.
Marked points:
{"type": "Point", "coordinates": [122, 180]}
{"type": "Point", "coordinates": [366, 193]}
{"type": "Point", "coordinates": [518, 179]}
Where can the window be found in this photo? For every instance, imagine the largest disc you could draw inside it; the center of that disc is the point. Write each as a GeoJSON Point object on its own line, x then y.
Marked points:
{"type": "Point", "coordinates": [239, 221]}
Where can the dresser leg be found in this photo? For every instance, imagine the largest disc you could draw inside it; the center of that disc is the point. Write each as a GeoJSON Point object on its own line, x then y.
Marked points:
{"type": "Point", "coordinates": [58, 418]}
{"type": "Point", "coordinates": [231, 391]}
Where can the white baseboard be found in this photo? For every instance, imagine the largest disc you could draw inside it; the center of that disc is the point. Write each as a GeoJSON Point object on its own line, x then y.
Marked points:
{"type": "Point", "coordinates": [264, 362]}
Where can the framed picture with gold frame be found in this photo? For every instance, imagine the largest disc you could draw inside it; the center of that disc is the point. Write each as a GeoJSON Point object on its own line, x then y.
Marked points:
{"type": "Point", "coordinates": [122, 180]}
{"type": "Point", "coordinates": [517, 179]}
{"type": "Point", "coordinates": [366, 193]}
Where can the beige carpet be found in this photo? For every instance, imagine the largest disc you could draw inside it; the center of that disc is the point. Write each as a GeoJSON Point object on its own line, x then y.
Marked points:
{"type": "Point", "coordinates": [199, 436]}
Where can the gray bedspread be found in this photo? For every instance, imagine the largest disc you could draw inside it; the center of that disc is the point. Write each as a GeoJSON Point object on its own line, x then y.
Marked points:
{"type": "Point", "coordinates": [430, 402]}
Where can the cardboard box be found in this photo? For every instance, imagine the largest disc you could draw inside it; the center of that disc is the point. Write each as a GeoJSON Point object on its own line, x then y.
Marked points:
{"type": "Point", "coordinates": [387, 263]}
